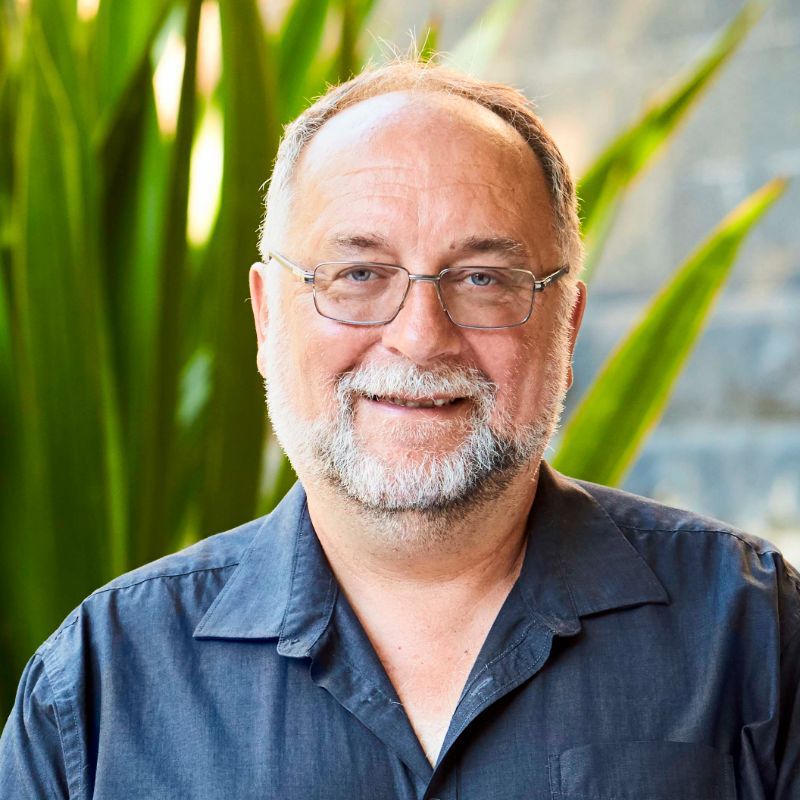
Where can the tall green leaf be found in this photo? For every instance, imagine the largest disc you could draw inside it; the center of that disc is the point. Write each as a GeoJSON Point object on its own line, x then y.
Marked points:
{"type": "Point", "coordinates": [152, 508]}
{"type": "Point", "coordinates": [281, 481]}
{"type": "Point", "coordinates": [12, 593]}
{"type": "Point", "coordinates": [299, 41]}
{"type": "Point", "coordinates": [56, 23]}
{"type": "Point", "coordinates": [349, 59]}
{"type": "Point", "coordinates": [607, 429]}
{"type": "Point", "coordinates": [8, 102]}
{"type": "Point", "coordinates": [481, 42]}
{"type": "Point", "coordinates": [602, 187]}
{"type": "Point", "coordinates": [135, 213]}
{"type": "Point", "coordinates": [235, 414]}
{"type": "Point", "coordinates": [73, 496]}
{"type": "Point", "coordinates": [123, 36]}
{"type": "Point", "coordinates": [429, 44]}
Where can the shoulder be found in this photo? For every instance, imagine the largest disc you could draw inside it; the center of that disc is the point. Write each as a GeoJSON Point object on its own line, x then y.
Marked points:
{"type": "Point", "coordinates": [156, 598]}
{"type": "Point", "coordinates": [123, 638]}
{"type": "Point", "coordinates": [692, 553]}
{"type": "Point", "coordinates": [217, 552]}
{"type": "Point", "coordinates": [641, 514]}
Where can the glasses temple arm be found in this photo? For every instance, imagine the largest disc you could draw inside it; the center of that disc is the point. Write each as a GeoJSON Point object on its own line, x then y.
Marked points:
{"type": "Point", "coordinates": [540, 286]}
{"type": "Point", "coordinates": [295, 269]}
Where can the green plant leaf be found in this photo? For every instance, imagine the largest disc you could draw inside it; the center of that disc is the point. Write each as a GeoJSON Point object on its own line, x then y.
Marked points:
{"type": "Point", "coordinates": [604, 183]}
{"type": "Point", "coordinates": [480, 43]}
{"type": "Point", "coordinates": [56, 22]}
{"type": "Point", "coordinates": [429, 45]}
{"type": "Point", "coordinates": [299, 43]}
{"type": "Point", "coordinates": [73, 518]}
{"type": "Point", "coordinates": [282, 481]}
{"type": "Point", "coordinates": [349, 59]}
{"type": "Point", "coordinates": [8, 113]}
{"type": "Point", "coordinates": [135, 213]}
{"type": "Point", "coordinates": [124, 33]}
{"type": "Point", "coordinates": [235, 414]}
{"type": "Point", "coordinates": [152, 511]}
{"type": "Point", "coordinates": [16, 641]}
{"type": "Point", "coordinates": [628, 397]}
{"type": "Point", "coordinates": [346, 58]}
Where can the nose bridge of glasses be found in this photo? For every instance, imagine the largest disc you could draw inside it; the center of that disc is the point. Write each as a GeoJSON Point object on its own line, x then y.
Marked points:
{"type": "Point", "coordinates": [435, 280]}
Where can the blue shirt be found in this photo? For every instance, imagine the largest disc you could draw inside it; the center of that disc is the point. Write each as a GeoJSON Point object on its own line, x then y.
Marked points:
{"type": "Point", "coordinates": [643, 654]}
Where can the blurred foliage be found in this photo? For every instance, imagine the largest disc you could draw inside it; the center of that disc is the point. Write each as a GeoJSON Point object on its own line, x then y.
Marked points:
{"type": "Point", "coordinates": [132, 413]}
{"type": "Point", "coordinates": [603, 186]}
{"type": "Point", "coordinates": [628, 396]}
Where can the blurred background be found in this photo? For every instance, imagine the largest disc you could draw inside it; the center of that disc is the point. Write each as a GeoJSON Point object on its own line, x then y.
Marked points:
{"type": "Point", "coordinates": [135, 141]}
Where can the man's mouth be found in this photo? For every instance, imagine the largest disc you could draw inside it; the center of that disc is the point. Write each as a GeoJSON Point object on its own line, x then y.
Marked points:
{"type": "Point", "coordinates": [416, 402]}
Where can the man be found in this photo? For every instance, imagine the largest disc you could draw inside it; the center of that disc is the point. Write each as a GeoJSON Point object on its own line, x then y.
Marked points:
{"type": "Point", "coordinates": [432, 612]}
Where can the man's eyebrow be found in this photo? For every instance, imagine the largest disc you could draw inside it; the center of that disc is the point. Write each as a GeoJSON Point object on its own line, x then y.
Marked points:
{"type": "Point", "coordinates": [361, 241]}
{"type": "Point", "coordinates": [504, 245]}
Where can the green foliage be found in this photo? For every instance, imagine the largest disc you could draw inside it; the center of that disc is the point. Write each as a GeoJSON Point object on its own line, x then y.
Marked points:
{"type": "Point", "coordinates": [297, 47]}
{"type": "Point", "coordinates": [603, 186]}
{"type": "Point", "coordinates": [631, 391]}
{"type": "Point", "coordinates": [132, 414]}
{"type": "Point", "coordinates": [429, 45]}
{"type": "Point", "coordinates": [480, 43]}
{"type": "Point", "coordinates": [233, 444]}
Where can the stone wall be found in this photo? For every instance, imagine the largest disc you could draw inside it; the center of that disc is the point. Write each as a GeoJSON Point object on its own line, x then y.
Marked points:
{"type": "Point", "coordinates": [729, 444]}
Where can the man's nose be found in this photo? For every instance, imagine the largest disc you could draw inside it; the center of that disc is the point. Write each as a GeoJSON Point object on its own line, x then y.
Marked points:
{"type": "Point", "coordinates": [422, 331]}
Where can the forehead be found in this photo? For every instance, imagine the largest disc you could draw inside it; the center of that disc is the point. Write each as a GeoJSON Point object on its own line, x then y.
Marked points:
{"type": "Point", "coordinates": [411, 112]}
{"type": "Point", "coordinates": [436, 157]}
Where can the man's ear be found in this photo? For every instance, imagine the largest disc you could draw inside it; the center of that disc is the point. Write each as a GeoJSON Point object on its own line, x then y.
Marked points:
{"type": "Point", "coordinates": [258, 302]}
{"type": "Point", "coordinates": [576, 317]}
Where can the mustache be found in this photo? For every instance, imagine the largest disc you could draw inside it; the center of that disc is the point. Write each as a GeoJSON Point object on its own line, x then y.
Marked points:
{"type": "Point", "coordinates": [409, 380]}
{"type": "Point", "coordinates": [406, 379]}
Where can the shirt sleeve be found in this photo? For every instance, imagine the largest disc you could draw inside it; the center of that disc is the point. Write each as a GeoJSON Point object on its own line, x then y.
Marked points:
{"type": "Point", "coordinates": [31, 753]}
{"type": "Point", "coordinates": [788, 783]}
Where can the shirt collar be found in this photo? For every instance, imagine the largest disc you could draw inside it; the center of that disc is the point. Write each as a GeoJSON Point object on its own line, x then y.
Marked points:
{"type": "Point", "coordinates": [282, 587]}
{"type": "Point", "coordinates": [578, 562]}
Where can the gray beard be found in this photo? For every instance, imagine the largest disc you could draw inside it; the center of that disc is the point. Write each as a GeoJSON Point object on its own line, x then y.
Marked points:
{"type": "Point", "coordinates": [434, 487]}
{"type": "Point", "coordinates": [473, 473]}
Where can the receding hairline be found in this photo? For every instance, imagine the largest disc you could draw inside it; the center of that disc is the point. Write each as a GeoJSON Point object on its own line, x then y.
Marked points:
{"type": "Point", "coordinates": [404, 77]}
{"type": "Point", "coordinates": [391, 109]}
{"type": "Point", "coordinates": [388, 107]}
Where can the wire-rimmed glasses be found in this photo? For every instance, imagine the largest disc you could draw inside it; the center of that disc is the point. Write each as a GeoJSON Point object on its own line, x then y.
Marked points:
{"type": "Point", "coordinates": [369, 293]}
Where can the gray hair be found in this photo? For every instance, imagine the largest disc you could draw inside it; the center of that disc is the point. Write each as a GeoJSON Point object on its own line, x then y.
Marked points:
{"type": "Point", "coordinates": [413, 75]}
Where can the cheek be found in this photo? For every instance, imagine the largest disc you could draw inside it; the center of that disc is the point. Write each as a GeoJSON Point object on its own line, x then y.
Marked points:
{"type": "Point", "coordinates": [517, 365]}
{"type": "Point", "coordinates": [321, 351]}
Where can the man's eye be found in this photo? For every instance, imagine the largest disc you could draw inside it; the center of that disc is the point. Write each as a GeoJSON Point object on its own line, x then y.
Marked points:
{"type": "Point", "coordinates": [480, 279]}
{"type": "Point", "coordinates": [358, 275]}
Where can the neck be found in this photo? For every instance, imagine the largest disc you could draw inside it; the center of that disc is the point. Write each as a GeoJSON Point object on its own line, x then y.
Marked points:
{"type": "Point", "coordinates": [426, 589]}
{"type": "Point", "coordinates": [468, 548]}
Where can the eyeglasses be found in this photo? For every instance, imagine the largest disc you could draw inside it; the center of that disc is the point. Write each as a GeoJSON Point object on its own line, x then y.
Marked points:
{"type": "Point", "coordinates": [367, 293]}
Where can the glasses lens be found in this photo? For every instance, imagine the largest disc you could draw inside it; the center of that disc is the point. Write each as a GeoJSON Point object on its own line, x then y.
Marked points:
{"type": "Point", "coordinates": [355, 292]}
{"type": "Point", "coordinates": [487, 297]}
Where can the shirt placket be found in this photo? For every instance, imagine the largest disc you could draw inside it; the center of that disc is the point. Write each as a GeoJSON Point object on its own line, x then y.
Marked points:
{"type": "Point", "coordinates": [516, 649]}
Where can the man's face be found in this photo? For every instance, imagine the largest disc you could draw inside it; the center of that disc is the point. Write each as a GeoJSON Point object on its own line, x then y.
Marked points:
{"type": "Point", "coordinates": [424, 182]}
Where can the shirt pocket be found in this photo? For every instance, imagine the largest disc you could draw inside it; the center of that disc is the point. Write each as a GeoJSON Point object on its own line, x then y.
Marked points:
{"type": "Point", "coordinates": [642, 771]}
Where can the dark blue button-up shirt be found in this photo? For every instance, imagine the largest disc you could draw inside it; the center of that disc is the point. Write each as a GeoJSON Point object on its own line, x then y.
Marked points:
{"type": "Point", "coordinates": [643, 654]}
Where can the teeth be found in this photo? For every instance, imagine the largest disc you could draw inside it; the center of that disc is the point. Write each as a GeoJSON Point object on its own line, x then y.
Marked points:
{"type": "Point", "coordinates": [397, 401]}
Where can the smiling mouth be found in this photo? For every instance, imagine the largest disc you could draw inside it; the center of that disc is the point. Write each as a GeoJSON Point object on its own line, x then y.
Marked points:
{"type": "Point", "coordinates": [418, 402]}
